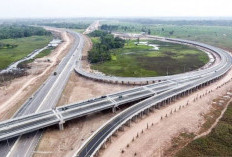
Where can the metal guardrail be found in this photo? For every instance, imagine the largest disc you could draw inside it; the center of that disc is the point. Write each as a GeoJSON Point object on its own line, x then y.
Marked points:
{"type": "Point", "coordinates": [144, 80]}
{"type": "Point", "coordinates": [221, 69]}
{"type": "Point", "coordinates": [84, 153]}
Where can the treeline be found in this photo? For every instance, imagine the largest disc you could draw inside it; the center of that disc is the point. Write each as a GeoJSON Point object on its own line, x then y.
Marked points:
{"type": "Point", "coordinates": [101, 51]}
{"type": "Point", "coordinates": [206, 22]}
{"type": "Point", "coordinates": [68, 25]}
{"type": "Point", "coordinates": [111, 28]}
{"type": "Point", "coordinates": [20, 31]}
{"type": "Point", "coordinates": [7, 46]}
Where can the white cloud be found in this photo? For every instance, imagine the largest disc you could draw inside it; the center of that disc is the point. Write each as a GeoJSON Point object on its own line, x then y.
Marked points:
{"type": "Point", "coordinates": [75, 8]}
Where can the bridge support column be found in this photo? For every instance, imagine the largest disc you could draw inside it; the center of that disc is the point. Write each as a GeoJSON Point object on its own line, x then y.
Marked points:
{"type": "Point", "coordinates": [114, 109]}
{"type": "Point", "coordinates": [61, 126]}
{"type": "Point", "coordinates": [129, 123]}
{"type": "Point", "coordinates": [141, 115]}
{"type": "Point", "coordinates": [110, 139]}
{"type": "Point", "coordinates": [104, 146]}
{"type": "Point", "coordinates": [135, 119]}
{"type": "Point", "coordinates": [121, 128]}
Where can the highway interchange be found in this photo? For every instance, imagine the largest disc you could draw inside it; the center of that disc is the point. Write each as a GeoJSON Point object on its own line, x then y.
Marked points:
{"type": "Point", "coordinates": [39, 112]}
{"type": "Point", "coordinates": [202, 77]}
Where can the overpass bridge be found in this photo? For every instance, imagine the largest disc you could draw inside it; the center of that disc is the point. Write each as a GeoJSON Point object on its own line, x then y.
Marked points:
{"type": "Point", "coordinates": [164, 90]}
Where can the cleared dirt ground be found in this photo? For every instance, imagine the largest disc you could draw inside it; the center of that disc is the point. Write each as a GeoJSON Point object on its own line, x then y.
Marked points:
{"type": "Point", "coordinates": [57, 143]}
{"type": "Point", "coordinates": [152, 142]}
{"type": "Point", "coordinates": [157, 138]}
{"type": "Point", "coordinates": [14, 93]}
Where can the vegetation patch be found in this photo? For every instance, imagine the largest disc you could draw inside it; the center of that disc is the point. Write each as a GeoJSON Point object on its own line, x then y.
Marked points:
{"type": "Point", "coordinates": [136, 60]}
{"type": "Point", "coordinates": [217, 33]}
{"type": "Point", "coordinates": [217, 143]}
{"type": "Point", "coordinates": [20, 31]}
{"type": "Point", "coordinates": [44, 52]}
{"type": "Point", "coordinates": [70, 25]}
{"type": "Point", "coordinates": [7, 46]}
{"type": "Point", "coordinates": [103, 43]}
{"type": "Point", "coordinates": [24, 47]}
{"type": "Point", "coordinates": [179, 142]}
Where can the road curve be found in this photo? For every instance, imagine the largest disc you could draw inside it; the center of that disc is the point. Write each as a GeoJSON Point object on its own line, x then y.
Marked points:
{"type": "Point", "coordinates": [171, 86]}
{"type": "Point", "coordinates": [94, 143]}
{"type": "Point", "coordinates": [44, 98]}
{"type": "Point", "coordinates": [146, 80]}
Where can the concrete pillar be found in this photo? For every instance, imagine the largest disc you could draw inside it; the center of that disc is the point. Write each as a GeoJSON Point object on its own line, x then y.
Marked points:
{"type": "Point", "coordinates": [110, 139]}
{"type": "Point", "coordinates": [129, 123]}
{"type": "Point", "coordinates": [122, 128]}
{"type": "Point", "coordinates": [61, 126]}
{"type": "Point", "coordinates": [104, 145]}
{"type": "Point", "coordinates": [134, 119]}
{"type": "Point", "coordinates": [114, 109]}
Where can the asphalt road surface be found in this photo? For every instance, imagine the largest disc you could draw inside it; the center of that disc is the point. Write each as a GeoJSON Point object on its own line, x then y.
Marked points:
{"type": "Point", "coordinates": [46, 97]}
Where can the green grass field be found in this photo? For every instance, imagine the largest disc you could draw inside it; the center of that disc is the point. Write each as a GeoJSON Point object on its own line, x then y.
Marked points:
{"type": "Point", "coordinates": [143, 61]}
{"type": "Point", "coordinates": [220, 36]}
{"type": "Point", "coordinates": [44, 53]}
{"type": "Point", "coordinates": [79, 30]}
{"type": "Point", "coordinates": [25, 47]}
{"type": "Point", "coordinates": [217, 143]}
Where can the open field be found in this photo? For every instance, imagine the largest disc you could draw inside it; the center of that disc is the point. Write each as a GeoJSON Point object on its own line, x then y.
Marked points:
{"type": "Point", "coordinates": [79, 30]}
{"type": "Point", "coordinates": [44, 53]}
{"type": "Point", "coordinates": [217, 143]}
{"type": "Point", "coordinates": [143, 61]}
{"type": "Point", "coordinates": [24, 47]}
{"type": "Point", "coordinates": [220, 36]}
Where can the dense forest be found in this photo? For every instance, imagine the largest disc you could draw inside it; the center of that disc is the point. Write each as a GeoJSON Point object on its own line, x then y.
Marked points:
{"type": "Point", "coordinates": [101, 51]}
{"type": "Point", "coordinates": [20, 31]}
{"type": "Point", "coordinates": [68, 25]}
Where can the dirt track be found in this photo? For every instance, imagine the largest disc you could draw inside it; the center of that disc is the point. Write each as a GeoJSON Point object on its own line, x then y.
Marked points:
{"type": "Point", "coordinates": [16, 92]}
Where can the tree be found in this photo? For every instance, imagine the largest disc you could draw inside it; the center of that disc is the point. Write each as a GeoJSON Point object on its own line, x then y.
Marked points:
{"type": "Point", "coordinates": [20, 31]}
{"type": "Point", "coordinates": [138, 40]}
{"type": "Point", "coordinates": [171, 32]}
{"type": "Point", "coordinates": [101, 51]}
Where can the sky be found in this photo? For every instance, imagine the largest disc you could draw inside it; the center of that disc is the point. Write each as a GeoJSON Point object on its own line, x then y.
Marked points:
{"type": "Point", "coordinates": [114, 8]}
